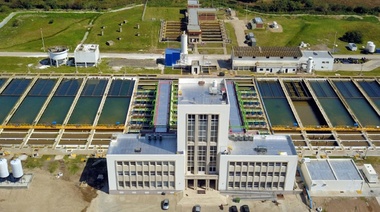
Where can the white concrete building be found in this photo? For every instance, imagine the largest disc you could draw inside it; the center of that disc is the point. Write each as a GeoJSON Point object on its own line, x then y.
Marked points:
{"type": "Point", "coordinates": [87, 55]}
{"type": "Point", "coordinates": [145, 164]}
{"type": "Point", "coordinates": [200, 155]}
{"type": "Point", "coordinates": [323, 60]}
{"type": "Point", "coordinates": [266, 59]}
{"type": "Point", "coordinates": [263, 163]}
{"type": "Point", "coordinates": [331, 175]}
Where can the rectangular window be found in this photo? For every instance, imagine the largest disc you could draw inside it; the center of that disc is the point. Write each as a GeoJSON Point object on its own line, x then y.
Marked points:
{"type": "Point", "coordinates": [127, 184]}
{"type": "Point", "coordinates": [133, 173]}
{"type": "Point", "coordinates": [146, 184]}
{"type": "Point", "coordinates": [159, 173]}
{"type": "Point", "coordinates": [214, 128]}
{"type": "Point", "coordinates": [171, 183]}
{"type": "Point", "coordinates": [153, 184]}
{"type": "Point", "coordinates": [133, 183]}
{"type": "Point", "coordinates": [139, 173]}
{"type": "Point", "coordinates": [159, 184]}
{"type": "Point", "coordinates": [119, 163]}
{"type": "Point", "coordinates": [191, 128]}
{"type": "Point", "coordinates": [146, 163]}
{"type": "Point", "coordinates": [231, 174]}
{"type": "Point", "coordinates": [202, 158]}
{"type": "Point", "coordinates": [140, 184]}
{"type": "Point", "coordinates": [190, 159]}
{"type": "Point", "coordinates": [237, 184]}
{"type": "Point", "coordinates": [172, 173]}
{"type": "Point", "coordinates": [146, 173]}
{"type": "Point", "coordinates": [202, 128]}
{"type": "Point", "coordinates": [133, 163]}
{"type": "Point", "coordinates": [166, 173]}
{"type": "Point", "coordinates": [166, 184]}
{"type": "Point", "coordinates": [250, 184]}
{"type": "Point", "coordinates": [121, 183]}
{"type": "Point", "coordinates": [139, 163]}
{"type": "Point", "coordinates": [230, 184]}
{"type": "Point", "coordinates": [120, 173]}
{"type": "Point", "coordinates": [152, 173]}
{"type": "Point", "coordinates": [126, 173]}
{"type": "Point", "coordinates": [243, 184]}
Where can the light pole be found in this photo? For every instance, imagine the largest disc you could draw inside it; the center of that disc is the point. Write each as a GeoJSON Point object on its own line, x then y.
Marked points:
{"type": "Point", "coordinates": [334, 43]}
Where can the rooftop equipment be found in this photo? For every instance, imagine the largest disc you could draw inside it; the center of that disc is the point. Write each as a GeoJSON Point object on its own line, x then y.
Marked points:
{"type": "Point", "coordinates": [370, 173]}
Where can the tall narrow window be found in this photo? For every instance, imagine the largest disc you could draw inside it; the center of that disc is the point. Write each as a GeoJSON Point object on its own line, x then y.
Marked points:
{"type": "Point", "coordinates": [202, 158]}
{"type": "Point", "coordinates": [202, 128]}
{"type": "Point", "coordinates": [214, 128]}
{"type": "Point", "coordinates": [191, 128]}
{"type": "Point", "coordinates": [190, 159]}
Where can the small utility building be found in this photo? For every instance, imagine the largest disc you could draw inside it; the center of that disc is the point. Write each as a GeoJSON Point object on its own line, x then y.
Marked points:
{"type": "Point", "coordinates": [331, 175]}
{"type": "Point", "coordinates": [323, 60]}
{"type": "Point", "coordinates": [87, 55]}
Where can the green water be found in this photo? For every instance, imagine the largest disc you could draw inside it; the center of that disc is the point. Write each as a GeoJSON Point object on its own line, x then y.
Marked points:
{"type": "Point", "coordinates": [85, 110]}
{"type": "Point", "coordinates": [6, 105]}
{"type": "Point", "coordinates": [364, 112]}
{"type": "Point", "coordinates": [114, 110]}
{"type": "Point", "coordinates": [336, 112]}
{"type": "Point", "coordinates": [28, 110]}
{"type": "Point", "coordinates": [56, 110]}
{"type": "Point", "coordinates": [309, 114]}
{"type": "Point", "coordinates": [279, 112]}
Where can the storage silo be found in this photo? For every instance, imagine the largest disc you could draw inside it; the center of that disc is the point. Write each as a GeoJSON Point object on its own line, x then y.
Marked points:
{"type": "Point", "coordinates": [184, 43]}
{"type": "Point", "coordinates": [17, 171]}
{"type": "Point", "coordinates": [371, 47]}
{"type": "Point", "coordinates": [4, 173]}
{"type": "Point", "coordinates": [309, 65]}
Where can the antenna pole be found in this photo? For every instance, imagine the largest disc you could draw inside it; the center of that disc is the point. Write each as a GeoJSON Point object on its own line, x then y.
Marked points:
{"type": "Point", "coordinates": [42, 38]}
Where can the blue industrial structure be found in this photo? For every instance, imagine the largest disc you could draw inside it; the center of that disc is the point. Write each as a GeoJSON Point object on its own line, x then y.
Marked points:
{"type": "Point", "coordinates": [172, 56]}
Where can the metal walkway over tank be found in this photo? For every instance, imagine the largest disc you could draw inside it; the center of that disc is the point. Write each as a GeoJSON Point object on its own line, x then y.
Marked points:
{"type": "Point", "coordinates": [235, 119]}
{"type": "Point", "coordinates": [161, 118]}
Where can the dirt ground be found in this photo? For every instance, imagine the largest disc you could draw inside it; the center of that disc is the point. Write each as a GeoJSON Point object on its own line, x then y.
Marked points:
{"type": "Point", "coordinates": [46, 193]}
{"type": "Point", "coordinates": [347, 204]}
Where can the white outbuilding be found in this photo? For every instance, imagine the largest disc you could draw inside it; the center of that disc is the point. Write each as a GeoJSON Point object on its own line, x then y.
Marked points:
{"type": "Point", "coordinates": [331, 175]}
{"type": "Point", "coordinates": [370, 173]}
{"type": "Point", "coordinates": [322, 60]}
{"type": "Point", "coordinates": [87, 55]}
{"type": "Point", "coordinates": [352, 46]}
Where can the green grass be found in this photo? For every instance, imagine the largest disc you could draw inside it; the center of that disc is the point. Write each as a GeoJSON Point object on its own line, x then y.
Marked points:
{"type": "Point", "coordinates": [67, 29]}
{"type": "Point", "coordinates": [148, 39]}
{"type": "Point", "coordinates": [373, 73]}
{"type": "Point", "coordinates": [318, 31]}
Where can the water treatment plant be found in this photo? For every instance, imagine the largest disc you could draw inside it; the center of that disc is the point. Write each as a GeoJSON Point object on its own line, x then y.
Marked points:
{"type": "Point", "coordinates": [64, 113]}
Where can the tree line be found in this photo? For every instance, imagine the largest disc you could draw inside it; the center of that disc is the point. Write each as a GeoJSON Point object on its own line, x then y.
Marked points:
{"type": "Point", "coordinates": [308, 6]}
{"type": "Point", "coordinates": [66, 4]}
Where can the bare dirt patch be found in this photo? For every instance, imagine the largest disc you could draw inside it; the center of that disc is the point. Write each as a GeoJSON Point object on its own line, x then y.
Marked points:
{"type": "Point", "coordinates": [347, 204]}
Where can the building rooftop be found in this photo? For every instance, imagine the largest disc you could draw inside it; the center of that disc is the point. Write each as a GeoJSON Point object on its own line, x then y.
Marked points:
{"type": "Point", "coordinates": [258, 51]}
{"type": "Point", "coordinates": [133, 144]}
{"type": "Point", "coordinates": [262, 145]}
{"type": "Point", "coordinates": [200, 91]}
{"type": "Point", "coordinates": [333, 169]}
{"type": "Point", "coordinates": [86, 48]}
{"type": "Point", "coordinates": [192, 2]}
{"type": "Point", "coordinates": [317, 54]}
{"type": "Point", "coordinates": [258, 20]}
{"type": "Point", "coordinates": [193, 22]}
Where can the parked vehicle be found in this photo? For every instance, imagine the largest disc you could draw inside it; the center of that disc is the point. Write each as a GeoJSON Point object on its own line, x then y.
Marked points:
{"type": "Point", "coordinates": [233, 209]}
{"type": "Point", "coordinates": [244, 208]}
{"type": "Point", "coordinates": [165, 204]}
{"type": "Point", "coordinates": [197, 208]}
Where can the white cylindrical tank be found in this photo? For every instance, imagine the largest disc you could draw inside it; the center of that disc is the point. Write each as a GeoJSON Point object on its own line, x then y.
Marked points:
{"type": "Point", "coordinates": [58, 53]}
{"type": "Point", "coordinates": [309, 65]}
{"type": "Point", "coordinates": [214, 84]}
{"type": "Point", "coordinates": [4, 173]}
{"type": "Point", "coordinates": [17, 171]}
{"type": "Point", "coordinates": [371, 47]}
{"type": "Point", "coordinates": [184, 43]}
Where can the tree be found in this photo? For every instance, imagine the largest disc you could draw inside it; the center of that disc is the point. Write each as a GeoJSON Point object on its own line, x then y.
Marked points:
{"type": "Point", "coordinates": [352, 37]}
